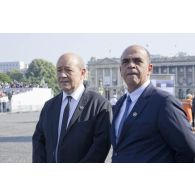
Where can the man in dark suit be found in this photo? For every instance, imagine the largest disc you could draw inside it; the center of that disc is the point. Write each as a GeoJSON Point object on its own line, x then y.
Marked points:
{"type": "Point", "coordinates": [74, 125]}
{"type": "Point", "coordinates": [149, 124]}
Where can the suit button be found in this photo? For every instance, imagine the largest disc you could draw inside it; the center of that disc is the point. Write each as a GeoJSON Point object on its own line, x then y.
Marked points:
{"type": "Point", "coordinates": [115, 153]}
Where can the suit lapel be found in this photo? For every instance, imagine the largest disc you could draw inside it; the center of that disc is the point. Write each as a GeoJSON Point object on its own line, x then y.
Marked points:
{"type": "Point", "coordinates": [116, 111]}
{"type": "Point", "coordinates": [55, 115]}
{"type": "Point", "coordinates": [137, 109]}
{"type": "Point", "coordinates": [81, 105]}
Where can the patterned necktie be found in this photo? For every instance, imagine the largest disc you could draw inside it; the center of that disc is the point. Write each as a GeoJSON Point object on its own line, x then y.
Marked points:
{"type": "Point", "coordinates": [128, 103]}
{"type": "Point", "coordinates": [66, 115]}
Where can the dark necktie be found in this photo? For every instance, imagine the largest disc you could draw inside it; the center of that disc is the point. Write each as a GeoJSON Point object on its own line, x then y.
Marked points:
{"type": "Point", "coordinates": [63, 126]}
{"type": "Point", "coordinates": [128, 103]}
{"type": "Point", "coordinates": [65, 116]}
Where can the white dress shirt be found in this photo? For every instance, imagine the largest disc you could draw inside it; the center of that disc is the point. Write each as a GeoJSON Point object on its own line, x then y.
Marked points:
{"type": "Point", "coordinates": [76, 96]}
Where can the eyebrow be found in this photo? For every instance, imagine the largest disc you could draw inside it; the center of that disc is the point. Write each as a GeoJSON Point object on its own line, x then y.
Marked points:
{"type": "Point", "coordinates": [64, 68]}
{"type": "Point", "coordinates": [131, 58]}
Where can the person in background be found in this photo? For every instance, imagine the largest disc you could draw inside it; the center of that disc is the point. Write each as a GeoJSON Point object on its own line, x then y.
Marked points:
{"type": "Point", "coordinates": [149, 125]}
{"type": "Point", "coordinates": [73, 126]}
{"type": "Point", "coordinates": [187, 107]}
{"type": "Point", "coordinates": [193, 113]}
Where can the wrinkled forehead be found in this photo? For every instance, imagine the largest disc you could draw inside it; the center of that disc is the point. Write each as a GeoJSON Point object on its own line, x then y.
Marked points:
{"type": "Point", "coordinates": [70, 61]}
{"type": "Point", "coordinates": [134, 52]}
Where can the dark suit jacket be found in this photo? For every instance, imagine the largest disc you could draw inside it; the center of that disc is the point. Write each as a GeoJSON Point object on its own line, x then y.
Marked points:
{"type": "Point", "coordinates": [156, 130]}
{"type": "Point", "coordinates": [87, 137]}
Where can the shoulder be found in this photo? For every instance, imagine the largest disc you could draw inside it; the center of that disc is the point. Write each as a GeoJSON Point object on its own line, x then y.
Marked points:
{"type": "Point", "coordinates": [95, 100]}
{"type": "Point", "coordinates": [53, 100]}
{"type": "Point", "coordinates": [94, 96]}
{"type": "Point", "coordinates": [161, 93]}
{"type": "Point", "coordinates": [165, 97]}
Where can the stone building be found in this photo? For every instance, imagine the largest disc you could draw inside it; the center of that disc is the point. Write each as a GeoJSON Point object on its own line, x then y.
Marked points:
{"type": "Point", "coordinates": [183, 67]}
{"type": "Point", "coordinates": [104, 74]}
{"type": "Point", "coordinates": [9, 66]}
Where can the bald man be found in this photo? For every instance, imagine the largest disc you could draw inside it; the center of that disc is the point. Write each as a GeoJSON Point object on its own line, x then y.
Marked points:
{"type": "Point", "coordinates": [73, 126]}
{"type": "Point", "coordinates": [148, 125]}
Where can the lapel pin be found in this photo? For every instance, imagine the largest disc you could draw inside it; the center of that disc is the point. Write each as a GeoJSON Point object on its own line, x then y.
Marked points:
{"type": "Point", "coordinates": [81, 107]}
{"type": "Point", "coordinates": [134, 114]}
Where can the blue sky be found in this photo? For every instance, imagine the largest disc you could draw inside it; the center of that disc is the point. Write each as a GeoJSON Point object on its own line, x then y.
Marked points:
{"type": "Point", "coordinates": [28, 46]}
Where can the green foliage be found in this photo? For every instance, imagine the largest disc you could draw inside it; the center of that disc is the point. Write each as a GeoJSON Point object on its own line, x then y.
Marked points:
{"type": "Point", "coordinates": [4, 78]}
{"type": "Point", "coordinates": [41, 71]}
{"type": "Point", "coordinates": [16, 75]}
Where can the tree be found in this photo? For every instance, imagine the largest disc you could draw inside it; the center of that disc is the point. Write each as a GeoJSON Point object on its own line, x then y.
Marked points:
{"type": "Point", "coordinates": [41, 70]}
{"type": "Point", "coordinates": [5, 78]}
{"type": "Point", "coordinates": [16, 75]}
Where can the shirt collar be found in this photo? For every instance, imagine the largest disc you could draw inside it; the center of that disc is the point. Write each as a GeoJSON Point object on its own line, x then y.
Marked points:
{"type": "Point", "coordinates": [76, 94]}
{"type": "Point", "coordinates": [135, 94]}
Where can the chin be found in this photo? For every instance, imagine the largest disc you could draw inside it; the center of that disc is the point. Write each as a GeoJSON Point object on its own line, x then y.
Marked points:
{"type": "Point", "coordinates": [132, 81]}
{"type": "Point", "coordinates": [65, 89]}
{"type": "Point", "coordinates": [68, 90]}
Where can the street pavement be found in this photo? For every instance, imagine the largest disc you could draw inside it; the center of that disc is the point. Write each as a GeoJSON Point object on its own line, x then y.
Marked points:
{"type": "Point", "coordinates": [16, 130]}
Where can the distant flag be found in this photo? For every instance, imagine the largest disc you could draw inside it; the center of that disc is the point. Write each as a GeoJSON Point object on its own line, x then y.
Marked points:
{"type": "Point", "coordinates": [109, 51]}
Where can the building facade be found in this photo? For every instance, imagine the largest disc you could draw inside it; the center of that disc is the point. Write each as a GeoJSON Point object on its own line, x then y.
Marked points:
{"type": "Point", "coordinates": [183, 67]}
{"type": "Point", "coordinates": [104, 74]}
{"type": "Point", "coordinates": [8, 66]}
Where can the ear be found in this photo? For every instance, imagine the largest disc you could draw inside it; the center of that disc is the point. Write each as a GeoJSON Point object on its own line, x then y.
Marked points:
{"type": "Point", "coordinates": [83, 71]}
{"type": "Point", "coordinates": [150, 67]}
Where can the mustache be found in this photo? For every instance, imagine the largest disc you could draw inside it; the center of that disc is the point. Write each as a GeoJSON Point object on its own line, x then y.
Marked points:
{"type": "Point", "coordinates": [132, 73]}
{"type": "Point", "coordinates": [64, 81]}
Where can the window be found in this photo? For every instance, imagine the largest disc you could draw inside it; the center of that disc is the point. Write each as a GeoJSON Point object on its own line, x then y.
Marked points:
{"type": "Point", "coordinates": [181, 69]}
{"type": "Point", "coordinates": [172, 70]}
{"type": "Point", "coordinates": [114, 76]}
{"type": "Point", "coordinates": [155, 70]}
{"type": "Point", "coordinates": [99, 75]}
{"type": "Point", "coordinates": [189, 80]}
{"type": "Point", "coordinates": [180, 80]}
{"type": "Point", "coordinates": [189, 69]}
{"type": "Point", "coordinates": [164, 70]}
{"type": "Point", "coordinates": [106, 72]}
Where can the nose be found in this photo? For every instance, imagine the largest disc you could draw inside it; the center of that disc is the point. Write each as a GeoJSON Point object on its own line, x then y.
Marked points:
{"type": "Point", "coordinates": [62, 74]}
{"type": "Point", "coordinates": [131, 64]}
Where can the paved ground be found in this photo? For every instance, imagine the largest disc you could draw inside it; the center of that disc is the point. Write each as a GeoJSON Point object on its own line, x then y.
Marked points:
{"type": "Point", "coordinates": [16, 131]}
